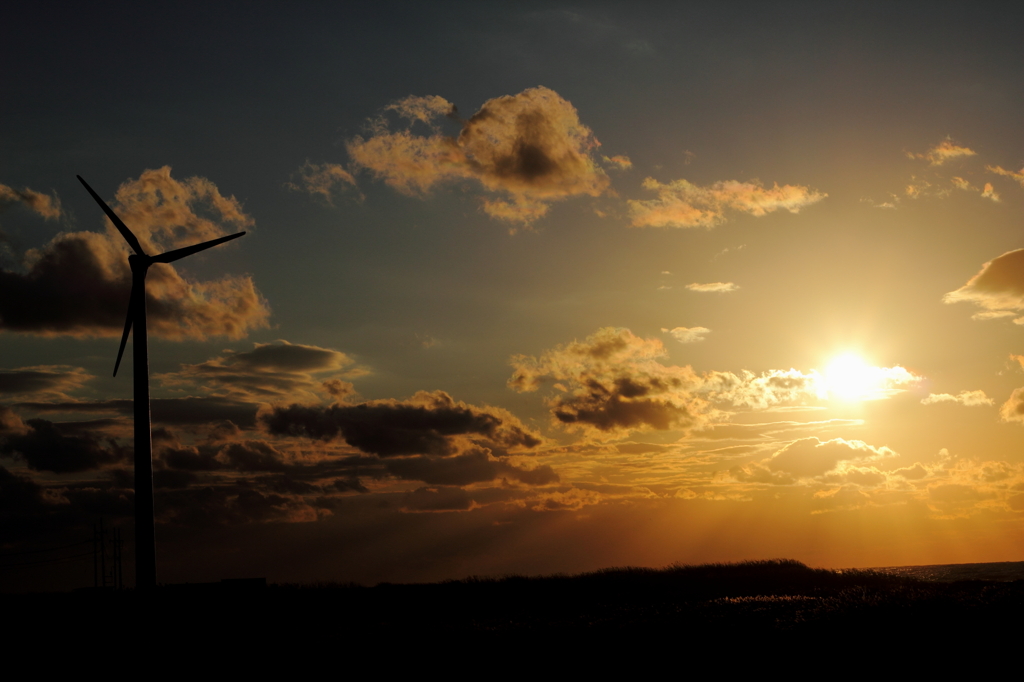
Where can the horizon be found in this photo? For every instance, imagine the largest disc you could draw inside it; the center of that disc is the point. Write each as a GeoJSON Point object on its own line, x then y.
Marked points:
{"type": "Point", "coordinates": [525, 289]}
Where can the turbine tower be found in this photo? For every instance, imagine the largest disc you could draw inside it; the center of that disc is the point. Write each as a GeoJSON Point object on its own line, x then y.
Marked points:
{"type": "Point", "coordinates": [145, 539]}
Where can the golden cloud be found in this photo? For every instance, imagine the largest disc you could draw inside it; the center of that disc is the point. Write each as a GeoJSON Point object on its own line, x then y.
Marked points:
{"type": "Point", "coordinates": [683, 204]}
{"type": "Point", "coordinates": [529, 147]}
{"type": "Point", "coordinates": [713, 287]}
{"type": "Point", "coordinates": [688, 334]}
{"type": "Point", "coordinates": [45, 205]}
{"type": "Point", "coordinates": [966, 398]}
{"type": "Point", "coordinates": [943, 152]}
{"type": "Point", "coordinates": [321, 179]}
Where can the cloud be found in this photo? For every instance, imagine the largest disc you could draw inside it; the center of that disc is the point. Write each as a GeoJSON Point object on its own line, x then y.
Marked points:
{"type": "Point", "coordinates": [943, 152]}
{"type": "Point", "coordinates": [78, 283]}
{"type": "Point", "coordinates": [688, 334]}
{"type": "Point", "coordinates": [471, 467]}
{"type": "Point", "coordinates": [998, 287]}
{"type": "Point", "coordinates": [714, 287]}
{"type": "Point", "coordinates": [1014, 175]}
{"type": "Point", "coordinates": [612, 383]}
{"type": "Point", "coordinates": [279, 371]}
{"type": "Point", "coordinates": [321, 179]}
{"type": "Point", "coordinates": [44, 381]}
{"type": "Point", "coordinates": [811, 457]}
{"type": "Point", "coordinates": [427, 423]}
{"type": "Point", "coordinates": [966, 398]}
{"type": "Point", "coordinates": [990, 193]}
{"type": "Point", "coordinates": [683, 204]}
{"type": "Point", "coordinates": [1013, 409]}
{"type": "Point", "coordinates": [765, 390]}
{"type": "Point", "coordinates": [619, 162]}
{"type": "Point", "coordinates": [45, 205]}
{"type": "Point", "coordinates": [49, 446]}
{"type": "Point", "coordinates": [530, 149]}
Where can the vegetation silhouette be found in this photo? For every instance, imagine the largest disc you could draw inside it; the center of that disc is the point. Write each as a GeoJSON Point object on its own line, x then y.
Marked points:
{"type": "Point", "coordinates": [710, 609]}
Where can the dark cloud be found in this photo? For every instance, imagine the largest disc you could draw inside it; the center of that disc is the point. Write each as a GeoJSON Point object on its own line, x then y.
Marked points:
{"type": "Point", "coordinates": [428, 423]}
{"type": "Point", "coordinates": [437, 499]}
{"type": "Point", "coordinates": [45, 446]}
{"type": "Point", "coordinates": [253, 455]}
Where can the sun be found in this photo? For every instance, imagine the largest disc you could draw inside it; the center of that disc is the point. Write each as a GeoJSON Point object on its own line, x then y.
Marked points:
{"type": "Point", "coordinates": [848, 377]}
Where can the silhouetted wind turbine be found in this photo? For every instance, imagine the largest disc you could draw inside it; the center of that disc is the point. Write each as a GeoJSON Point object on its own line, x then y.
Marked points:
{"type": "Point", "coordinates": [145, 539]}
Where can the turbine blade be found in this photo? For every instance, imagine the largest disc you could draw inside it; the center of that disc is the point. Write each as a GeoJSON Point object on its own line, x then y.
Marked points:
{"type": "Point", "coordinates": [121, 227]}
{"type": "Point", "coordinates": [172, 256]}
{"type": "Point", "coordinates": [127, 328]}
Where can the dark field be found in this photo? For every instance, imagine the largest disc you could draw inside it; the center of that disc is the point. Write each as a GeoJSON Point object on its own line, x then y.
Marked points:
{"type": "Point", "coordinates": [732, 610]}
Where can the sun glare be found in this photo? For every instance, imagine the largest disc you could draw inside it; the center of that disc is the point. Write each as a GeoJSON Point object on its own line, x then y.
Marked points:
{"type": "Point", "coordinates": [849, 378]}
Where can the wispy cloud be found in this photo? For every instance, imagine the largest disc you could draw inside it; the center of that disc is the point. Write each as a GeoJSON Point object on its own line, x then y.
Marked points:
{"type": "Point", "coordinates": [713, 287]}
{"type": "Point", "coordinates": [688, 334]}
{"type": "Point", "coordinates": [324, 179]}
{"type": "Point", "coordinates": [45, 205]}
{"type": "Point", "coordinates": [966, 398]}
{"type": "Point", "coordinates": [943, 152]}
{"type": "Point", "coordinates": [683, 204]}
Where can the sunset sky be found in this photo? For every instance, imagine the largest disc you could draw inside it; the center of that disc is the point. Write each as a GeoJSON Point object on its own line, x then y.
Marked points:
{"type": "Point", "coordinates": [527, 287]}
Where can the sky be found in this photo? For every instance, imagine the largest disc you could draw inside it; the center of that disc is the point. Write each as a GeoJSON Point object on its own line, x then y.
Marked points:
{"type": "Point", "coordinates": [526, 288]}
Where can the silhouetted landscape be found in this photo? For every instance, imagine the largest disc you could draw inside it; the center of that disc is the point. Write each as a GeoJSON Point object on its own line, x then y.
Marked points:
{"type": "Point", "coordinates": [717, 607]}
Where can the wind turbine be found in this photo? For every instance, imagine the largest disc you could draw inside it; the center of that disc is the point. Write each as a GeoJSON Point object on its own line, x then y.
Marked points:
{"type": "Point", "coordinates": [145, 538]}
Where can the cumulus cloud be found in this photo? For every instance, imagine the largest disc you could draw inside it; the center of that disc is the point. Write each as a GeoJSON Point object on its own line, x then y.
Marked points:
{"type": "Point", "coordinates": [688, 334]}
{"type": "Point", "coordinates": [279, 371]}
{"type": "Point", "coordinates": [530, 149]}
{"type": "Point", "coordinates": [45, 205]}
{"type": "Point", "coordinates": [681, 203]}
{"type": "Point", "coordinates": [966, 398]}
{"type": "Point", "coordinates": [78, 284]}
{"type": "Point", "coordinates": [989, 193]}
{"type": "Point", "coordinates": [943, 152]}
{"type": "Point", "coordinates": [612, 383]}
{"type": "Point", "coordinates": [713, 287]}
{"type": "Point", "coordinates": [998, 287]}
{"type": "Point", "coordinates": [324, 179]}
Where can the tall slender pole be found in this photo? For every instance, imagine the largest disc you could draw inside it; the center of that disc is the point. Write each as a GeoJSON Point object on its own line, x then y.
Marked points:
{"type": "Point", "coordinates": [145, 534]}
